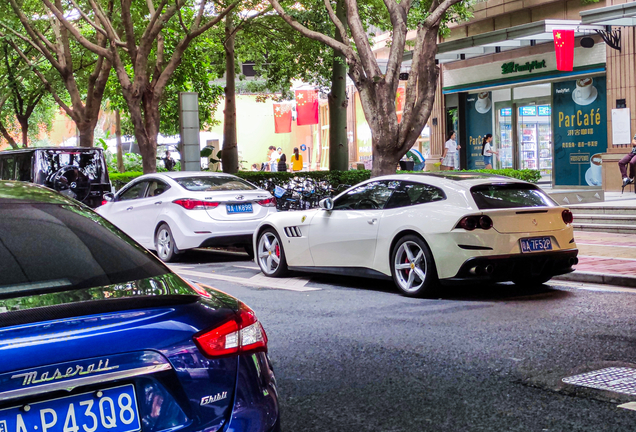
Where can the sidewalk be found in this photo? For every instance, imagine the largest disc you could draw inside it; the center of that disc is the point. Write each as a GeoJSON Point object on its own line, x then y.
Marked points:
{"type": "Point", "coordinates": [606, 258]}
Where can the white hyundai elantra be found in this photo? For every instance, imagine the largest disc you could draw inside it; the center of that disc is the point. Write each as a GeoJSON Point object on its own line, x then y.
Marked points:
{"type": "Point", "coordinates": [423, 230]}
{"type": "Point", "coordinates": [171, 212]}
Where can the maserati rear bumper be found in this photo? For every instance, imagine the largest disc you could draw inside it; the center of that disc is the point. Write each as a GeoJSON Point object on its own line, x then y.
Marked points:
{"type": "Point", "coordinates": [502, 268]}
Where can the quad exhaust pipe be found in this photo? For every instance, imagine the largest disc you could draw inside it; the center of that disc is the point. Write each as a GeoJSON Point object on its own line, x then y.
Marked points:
{"type": "Point", "coordinates": [573, 261]}
{"type": "Point", "coordinates": [482, 270]}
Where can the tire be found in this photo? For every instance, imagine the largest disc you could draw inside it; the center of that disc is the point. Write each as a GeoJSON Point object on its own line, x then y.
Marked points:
{"type": "Point", "coordinates": [413, 268]}
{"type": "Point", "coordinates": [532, 281]}
{"type": "Point", "coordinates": [165, 245]}
{"type": "Point", "coordinates": [249, 250]}
{"type": "Point", "coordinates": [269, 248]}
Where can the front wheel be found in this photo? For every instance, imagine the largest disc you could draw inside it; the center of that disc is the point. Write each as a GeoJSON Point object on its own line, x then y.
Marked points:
{"type": "Point", "coordinates": [271, 256]}
{"type": "Point", "coordinates": [413, 268]}
{"type": "Point", "coordinates": [164, 244]}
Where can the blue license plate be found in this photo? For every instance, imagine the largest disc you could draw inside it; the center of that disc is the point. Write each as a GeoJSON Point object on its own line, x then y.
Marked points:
{"type": "Point", "coordinates": [237, 208]}
{"type": "Point", "coordinates": [536, 244]}
{"type": "Point", "coordinates": [110, 410]}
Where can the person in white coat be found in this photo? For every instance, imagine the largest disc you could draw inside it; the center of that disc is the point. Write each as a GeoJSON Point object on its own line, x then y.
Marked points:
{"type": "Point", "coordinates": [449, 157]}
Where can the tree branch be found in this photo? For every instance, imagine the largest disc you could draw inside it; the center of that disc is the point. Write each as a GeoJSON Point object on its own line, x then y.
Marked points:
{"type": "Point", "coordinates": [361, 39]}
{"type": "Point", "coordinates": [87, 18]}
{"type": "Point", "coordinates": [336, 21]}
{"type": "Point", "coordinates": [438, 13]}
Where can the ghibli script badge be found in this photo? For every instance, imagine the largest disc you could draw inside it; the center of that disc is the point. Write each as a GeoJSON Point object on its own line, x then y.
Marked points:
{"type": "Point", "coordinates": [32, 377]}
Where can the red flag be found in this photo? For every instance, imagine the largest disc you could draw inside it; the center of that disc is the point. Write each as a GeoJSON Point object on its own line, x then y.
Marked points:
{"type": "Point", "coordinates": [282, 118]}
{"type": "Point", "coordinates": [307, 107]}
{"type": "Point", "coordinates": [399, 102]}
{"type": "Point", "coordinates": [564, 49]}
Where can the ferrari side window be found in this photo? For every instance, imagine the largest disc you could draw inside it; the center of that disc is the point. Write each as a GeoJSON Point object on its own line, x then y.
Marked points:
{"type": "Point", "coordinates": [414, 193]}
{"type": "Point", "coordinates": [369, 196]}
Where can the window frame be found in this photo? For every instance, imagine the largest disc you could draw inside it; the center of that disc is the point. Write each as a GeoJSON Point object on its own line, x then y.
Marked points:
{"type": "Point", "coordinates": [129, 187]}
{"type": "Point", "coordinates": [382, 207]}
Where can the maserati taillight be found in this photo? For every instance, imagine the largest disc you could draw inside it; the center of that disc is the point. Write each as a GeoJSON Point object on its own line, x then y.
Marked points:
{"type": "Point", "coordinates": [239, 335]}
{"type": "Point", "coordinates": [192, 204]}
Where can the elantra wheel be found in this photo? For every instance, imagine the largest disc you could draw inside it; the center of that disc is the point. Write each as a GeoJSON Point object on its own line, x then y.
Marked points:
{"type": "Point", "coordinates": [271, 256]}
{"type": "Point", "coordinates": [413, 268]}
{"type": "Point", "coordinates": [165, 245]}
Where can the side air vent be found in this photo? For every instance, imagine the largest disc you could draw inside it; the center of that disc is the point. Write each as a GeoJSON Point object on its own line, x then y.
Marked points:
{"type": "Point", "coordinates": [293, 232]}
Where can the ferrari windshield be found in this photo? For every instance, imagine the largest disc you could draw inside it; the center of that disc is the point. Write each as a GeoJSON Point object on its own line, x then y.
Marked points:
{"type": "Point", "coordinates": [46, 247]}
{"type": "Point", "coordinates": [204, 184]}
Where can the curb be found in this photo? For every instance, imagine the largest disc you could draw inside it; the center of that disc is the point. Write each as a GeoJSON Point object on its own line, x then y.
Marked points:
{"type": "Point", "coordinates": [599, 278]}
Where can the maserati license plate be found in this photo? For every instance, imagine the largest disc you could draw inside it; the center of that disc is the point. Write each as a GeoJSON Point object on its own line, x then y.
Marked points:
{"type": "Point", "coordinates": [536, 244]}
{"type": "Point", "coordinates": [110, 410]}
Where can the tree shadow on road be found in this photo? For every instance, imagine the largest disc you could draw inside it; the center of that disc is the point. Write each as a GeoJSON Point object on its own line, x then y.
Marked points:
{"type": "Point", "coordinates": [502, 291]}
{"type": "Point", "coordinates": [212, 256]}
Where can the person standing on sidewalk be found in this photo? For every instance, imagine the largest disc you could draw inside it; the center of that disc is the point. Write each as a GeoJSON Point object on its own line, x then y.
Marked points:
{"type": "Point", "coordinates": [628, 159]}
{"type": "Point", "coordinates": [487, 151]}
{"type": "Point", "coordinates": [450, 152]}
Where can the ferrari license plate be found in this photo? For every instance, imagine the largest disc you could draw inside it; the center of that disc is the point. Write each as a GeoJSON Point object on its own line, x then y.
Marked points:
{"type": "Point", "coordinates": [238, 208]}
{"type": "Point", "coordinates": [536, 244]}
{"type": "Point", "coordinates": [110, 410]}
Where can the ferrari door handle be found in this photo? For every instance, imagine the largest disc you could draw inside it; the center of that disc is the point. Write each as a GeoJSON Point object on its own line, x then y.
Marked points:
{"type": "Point", "coordinates": [129, 208]}
{"type": "Point", "coordinates": [372, 221]}
{"type": "Point", "coordinates": [158, 202]}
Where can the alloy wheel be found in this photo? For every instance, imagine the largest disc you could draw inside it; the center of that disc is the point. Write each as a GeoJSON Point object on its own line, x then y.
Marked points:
{"type": "Point", "coordinates": [410, 266]}
{"type": "Point", "coordinates": [268, 253]}
{"type": "Point", "coordinates": [164, 244]}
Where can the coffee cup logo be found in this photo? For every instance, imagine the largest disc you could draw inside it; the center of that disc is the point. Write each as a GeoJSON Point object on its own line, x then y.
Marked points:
{"type": "Point", "coordinates": [584, 87]}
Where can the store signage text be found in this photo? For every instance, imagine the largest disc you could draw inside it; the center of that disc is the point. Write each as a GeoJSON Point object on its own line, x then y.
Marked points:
{"type": "Point", "coordinates": [513, 67]}
{"type": "Point", "coordinates": [580, 119]}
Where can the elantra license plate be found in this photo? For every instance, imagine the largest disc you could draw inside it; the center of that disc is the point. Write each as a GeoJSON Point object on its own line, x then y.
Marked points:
{"type": "Point", "coordinates": [237, 208]}
{"type": "Point", "coordinates": [536, 244]}
{"type": "Point", "coordinates": [110, 410]}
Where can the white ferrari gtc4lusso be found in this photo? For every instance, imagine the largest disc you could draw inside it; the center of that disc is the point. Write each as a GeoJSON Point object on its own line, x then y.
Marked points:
{"type": "Point", "coordinates": [425, 230]}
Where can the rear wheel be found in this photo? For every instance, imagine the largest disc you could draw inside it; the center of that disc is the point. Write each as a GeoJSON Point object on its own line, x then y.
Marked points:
{"type": "Point", "coordinates": [271, 256]}
{"type": "Point", "coordinates": [413, 268]}
{"type": "Point", "coordinates": [165, 245]}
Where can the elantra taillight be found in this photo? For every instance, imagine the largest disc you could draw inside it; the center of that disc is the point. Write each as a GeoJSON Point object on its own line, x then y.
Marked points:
{"type": "Point", "coordinates": [567, 216]}
{"type": "Point", "coordinates": [240, 335]}
{"type": "Point", "coordinates": [191, 204]}
{"type": "Point", "coordinates": [470, 223]}
{"type": "Point", "coordinates": [269, 202]}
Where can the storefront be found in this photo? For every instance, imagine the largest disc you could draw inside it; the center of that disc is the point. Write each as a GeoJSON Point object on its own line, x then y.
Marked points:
{"type": "Point", "coordinates": [540, 118]}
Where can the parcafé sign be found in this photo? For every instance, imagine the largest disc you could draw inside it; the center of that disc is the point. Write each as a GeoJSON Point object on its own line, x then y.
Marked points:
{"type": "Point", "coordinates": [513, 67]}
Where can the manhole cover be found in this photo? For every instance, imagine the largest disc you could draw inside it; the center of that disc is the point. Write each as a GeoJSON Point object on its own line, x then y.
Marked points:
{"type": "Point", "coordinates": [614, 379]}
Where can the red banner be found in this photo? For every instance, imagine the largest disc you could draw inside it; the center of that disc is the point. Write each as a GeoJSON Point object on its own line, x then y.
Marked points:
{"type": "Point", "coordinates": [564, 49]}
{"type": "Point", "coordinates": [307, 107]}
{"type": "Point", "coordinates": [399, 102]}
{"type": "Point", "coordinates": [282, 118]}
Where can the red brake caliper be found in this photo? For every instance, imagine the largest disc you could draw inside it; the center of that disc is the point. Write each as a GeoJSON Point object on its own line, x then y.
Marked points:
{"type": "Point", "coordinates": [278, 251]}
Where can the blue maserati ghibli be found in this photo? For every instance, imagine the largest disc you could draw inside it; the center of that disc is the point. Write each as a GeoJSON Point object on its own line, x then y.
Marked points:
{"type": "Point", "coordinates": [97, 335]}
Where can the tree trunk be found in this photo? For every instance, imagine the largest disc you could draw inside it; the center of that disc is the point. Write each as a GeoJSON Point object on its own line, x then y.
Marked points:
{"type": "Point", "coordinates": [338, 140]}
{"type": "Point", "coordinates": [120, 150]}
{"type": "Point", "coordinates": [24, 126]}
{"type": "Point", "coordinates": [86, 131]}
{"type": "Point", "coordinates": [229, 156]}
{"type": "Point", "coordinates": [5, 133]}
{"type": "Point", "coordinates": [385, 161]}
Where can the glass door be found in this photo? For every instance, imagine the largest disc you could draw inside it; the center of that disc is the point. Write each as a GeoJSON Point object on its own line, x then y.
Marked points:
{"type": "Point", "coordinates": [504, 135]}
{"type": "Point", "coordinates": [535, 136]}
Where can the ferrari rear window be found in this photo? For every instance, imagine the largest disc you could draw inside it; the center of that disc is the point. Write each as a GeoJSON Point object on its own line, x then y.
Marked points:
{"type": "Point", "coordinates": [510, 195]}
{"type": "Point", "coordinates": [205, 184]}
{"type": "Point", "coordinates": [52, 248]}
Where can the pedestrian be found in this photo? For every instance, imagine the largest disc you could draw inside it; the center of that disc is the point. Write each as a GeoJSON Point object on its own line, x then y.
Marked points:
{"type": "Point", "coordinates": [255, 167]}
{"type": "Point", "coordinates": [168, 162]}
{"type": "Point", "coordinates": [450, 152]}
{"type": "Point", "coordinates": [418, 159]}
{"type": "Point", "coordinates": [628, 159]}
{"type": "Point", "coordinates": [273, 159]}
{"type": "Point", "coordinates": [487, 151]}
{"type": "Point", "coordinates": [297, 161]}
{"type": "Point", "coordinates": [282, 163]}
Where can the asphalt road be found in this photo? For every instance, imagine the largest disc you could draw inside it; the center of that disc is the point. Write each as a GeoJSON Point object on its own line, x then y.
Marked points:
{"type": "Point", "coordinates": [354, 355]}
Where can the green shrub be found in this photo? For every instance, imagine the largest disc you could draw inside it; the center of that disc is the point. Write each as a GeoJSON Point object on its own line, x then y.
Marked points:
{"type": "Point", "coordinates": [334, 178]}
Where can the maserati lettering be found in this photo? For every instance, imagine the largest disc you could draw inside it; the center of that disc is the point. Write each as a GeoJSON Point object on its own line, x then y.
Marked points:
{"type": "Point", "coordinates": [29, 378]}
{"type": "Point", "coordinates": [206, 400]}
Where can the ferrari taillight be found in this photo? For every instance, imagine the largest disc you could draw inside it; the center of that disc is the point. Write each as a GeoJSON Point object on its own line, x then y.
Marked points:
{"type": "Point", "coordinates": [567, 216]}
{"type": "Point", "coordinates": [192, 204]}
{"type": "Point", "coordinates": [239, 335]}
{"type": "Point", "coordinates": [469, 223]}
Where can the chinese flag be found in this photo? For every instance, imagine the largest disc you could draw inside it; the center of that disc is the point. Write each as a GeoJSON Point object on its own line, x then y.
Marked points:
{"type": "Point", "coordinates": [564, 49]}
{"type": "Point", "coordinates": [307, 107]}
{"type": "Point", "coordinates": [282, 118]}
{"type": "Point", "coordinates": [399, 102]}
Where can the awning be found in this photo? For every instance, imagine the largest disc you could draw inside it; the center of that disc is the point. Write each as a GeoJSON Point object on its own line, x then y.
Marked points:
{"type": "Point", "coordinates": [617, 15]}
{"type": "Point", "coordinates": [507, 39]}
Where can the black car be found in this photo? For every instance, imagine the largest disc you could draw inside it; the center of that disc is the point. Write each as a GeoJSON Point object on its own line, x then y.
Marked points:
{"type": "Point", "coordinates": [77, 172]}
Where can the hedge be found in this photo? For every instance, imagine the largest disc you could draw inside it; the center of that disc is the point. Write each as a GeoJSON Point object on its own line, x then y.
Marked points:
{"type": "Point", "coordinates": [332, 177]}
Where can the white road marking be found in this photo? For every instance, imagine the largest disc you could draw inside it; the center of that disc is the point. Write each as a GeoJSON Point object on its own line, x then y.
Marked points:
{"type": "Point", "coordinates": [629, 406]}
{"type": "Point", "coordinates": [607, 258]}
{"type": "Point", "coordinates": [606, 245]}
{"type": "Point", "coordinates": [260, 281]}
{"type": "Point", "coordinates": [592, 287]}
{"type": "Point", "coordinates": [248, 267]}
